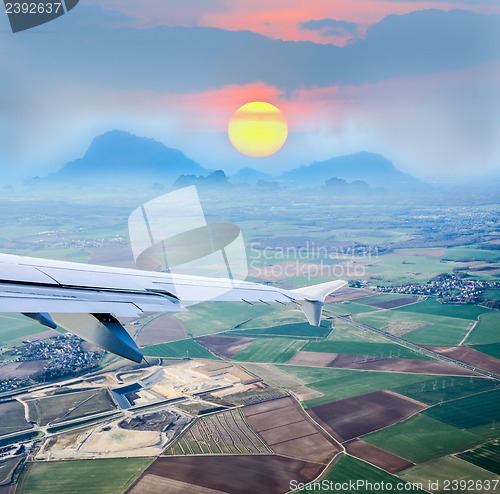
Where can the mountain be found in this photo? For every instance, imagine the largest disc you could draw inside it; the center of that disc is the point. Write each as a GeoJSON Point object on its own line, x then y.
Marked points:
{"type": "Point", "coordinates": [250, 176]}
{"type": "Point", "coordinates": [119, 157]}
{"type": "Point", "coordinates": [372, 168]}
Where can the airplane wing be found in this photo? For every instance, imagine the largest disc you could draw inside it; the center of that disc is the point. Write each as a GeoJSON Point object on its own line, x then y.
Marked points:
{"type": "Point", "coordinates": [87, 299]}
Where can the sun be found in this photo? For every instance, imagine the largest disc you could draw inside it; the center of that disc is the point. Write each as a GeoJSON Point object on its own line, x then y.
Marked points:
{"type": "Point", "coordinates": [258, 129]}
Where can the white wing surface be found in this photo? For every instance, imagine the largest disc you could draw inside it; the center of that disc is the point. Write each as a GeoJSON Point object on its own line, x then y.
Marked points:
{"type": "Point", "coordinates": [88, 299]}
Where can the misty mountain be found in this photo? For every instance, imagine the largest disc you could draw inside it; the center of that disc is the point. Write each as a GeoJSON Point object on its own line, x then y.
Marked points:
{"type": "Point", "coordinates": [372, 168]}
{"type": "Point", "coordinates": [250, 176]}
{"type": "Point", "coordinates": [123, 158]}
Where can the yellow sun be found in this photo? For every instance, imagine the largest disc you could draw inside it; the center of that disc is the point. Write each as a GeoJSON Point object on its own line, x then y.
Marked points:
{"type": "Point", "coordinates": [257, 129]}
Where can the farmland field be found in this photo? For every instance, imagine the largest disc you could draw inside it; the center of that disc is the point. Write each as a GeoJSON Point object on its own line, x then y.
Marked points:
{"type": "Point", "coordinates": [349, 468]}
{"type": "Point", "coordinates": [109, 476]}
{"type": "Point", "coordinates": [7, 468]}
{"type": "Point", "coordinates": [486, 456]}
{"type": "Point", "coordinates": [277, 350]}
{"type": "Point", "coordinates": [337, 384]}
{"type": "Point", "coordinates": [350, 308]}
{"type": "Point", "coordinates": [212, 317]}
{"type": "Point", "coordinates": [12, 417]}
{"type": "Point", "coordinates": [15, 327]}
{"type": "Point", "coordinates": [429, 330]}
{"type": "Point", "coordinates": [422, 438]}
{"type": "Point", "coordinates": [221, 433]}
{"type": "Point", "coordinates": [233, 474]}
{"type": "Point", "coordinates": [69, 406]}
{"type": "Point", "coordinates": [439, 389]}
{"type": "Point", "coordinates": [471, 411]}
{"type": "Point", "coordinates": [447, 468]}
{"type": "Point", "coordinates": [362, 348]}
{"type": "Point", "coordinates": [433, 307]}
{"type": "Point", "coordinates": [301, 330]}
{"type": "Point", "coordinates": [492, 349]}
{"type": "Point", "coordinates": [180, 349]}
{"type": "Point", "coordinates": [487, 330]}
{"type": "Point", "coordinates": [353, 417]}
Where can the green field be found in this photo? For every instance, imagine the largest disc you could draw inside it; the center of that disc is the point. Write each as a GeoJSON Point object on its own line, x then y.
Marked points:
{"type": "Point", "coordinates": [348, 468]}
{"type": "Point", "coordinates": [445, 388]}
{"type": "Point", "coordinates": [337, 384]}
{"type": "Point", "coordinates": [399, 268]}
{"type": "Point", "coordinates": [363, 348]}
{"type": "Point", "coordinates": [445, 469]}
{"type": "Point", "coordinates": [279, 350]}
{"type": "Point", "coordinates": [471, 254]}
{"type": "Point", "coordinates": [487, 456]}
{"type": "Point", "coordinates": [212, 317]}
{"type": "Point", "coordinates": [418, 328]}
{"type": "Point", "coordinates": [12, 417]}
{"type": "Point", "coordinates": [471, 411]}
{"type": "Point", "coordinates": [487, 330]}
{"type": "Point", "coordinates": [433, 307]}
{"type": "Point", "coordinates": [178, 349]}
{"type": "Point", "coordinates": [349, 308]}
{"type": "Point", "coordinates": [110, 476]}
{"type": "Point", "coordinates": [297, 330]}
{"type": "Point", "coordinates": [421, 438]}
{"type": "Point", "coordinates": [342, 331]}
{"type": "Point", "coordinates": [493, 349]}
{"type": "Point", "coordinates": [493, 294]}
{"type": "Point", "coordinates": [15, 327]}
{"type": "Point", "coordinates": [69, 406]}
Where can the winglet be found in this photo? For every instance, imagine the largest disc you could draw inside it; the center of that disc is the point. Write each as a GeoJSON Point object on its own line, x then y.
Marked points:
{"type": "Point", "coordinates": [312, 298]}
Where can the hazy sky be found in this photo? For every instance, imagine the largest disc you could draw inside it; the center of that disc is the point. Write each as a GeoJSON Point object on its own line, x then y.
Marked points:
{"type": "Point", "coordinates": [416, 81]}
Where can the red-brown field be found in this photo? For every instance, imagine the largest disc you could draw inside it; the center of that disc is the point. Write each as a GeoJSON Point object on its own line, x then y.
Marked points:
{"type": "Point", "coordinates": [391, 304]}
{"type": "Point", "coordinates": [21, 369]}
{"type": "Point", "coordinates": [379, 457]}
{"type": "Point", "coordinates": [161, 329]}
{"type": "Point", "coordinates": [288, 430]}
{"type": "Point", "coordinates": [225, 346]}
{"type": "Point", "coordinates": [469, 356]}
{"type": "Point", "coordinates": [312, 359]}
{"type": "Point", "coordinates": [353, 417]}
{"type": "Point", "coordinates": [238, 474]}
{"type": "Point", "coordinates": [397, 365]}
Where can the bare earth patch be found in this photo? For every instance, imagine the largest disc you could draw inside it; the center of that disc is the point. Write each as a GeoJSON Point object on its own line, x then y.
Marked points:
{"type": "Point", "coordinates": [399, 302]}
{"type": "Point", "coordinates": [21, 370]}
{"type": "Point", "coordinates": [348, 294]}
{"type": "Point", "coordinates": [312, 359]}
{"type": "Point", "coordinates": [225, 346]}
{"type": "Point", "coordinates": [416, 366]}
{"type": "Point", "coordinates": [400, 328]}
{"type": "Point", "coordinates": [469, 356]}
{"type": "Point", "coordinates": [353, 417]}
{"type": "Point", "coordinates": [289, 431]}
{"type": "Point", "coordinates": [379, 457]}
{"type": "Point", "coordinates": [235, 474]}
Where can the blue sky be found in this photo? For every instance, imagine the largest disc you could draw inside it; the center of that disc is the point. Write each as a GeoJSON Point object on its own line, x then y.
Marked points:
{"type": "Point", "coordinates": [416, 81]}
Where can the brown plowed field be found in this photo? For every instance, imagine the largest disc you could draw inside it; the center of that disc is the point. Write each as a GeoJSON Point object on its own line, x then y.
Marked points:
{"type": "Point", "coordinates": [398, 365]}
{"type": "Point", "coordinates": [238, 474]}
{"type": "Point", "coordinates": [225, 346]}
{"type": "Point", "coordinates": [312, 359]}
{"type": "Point", "coordinates": [469, 356]}
{"type": "Point", "coordinates": [353, 417]}
{"type": "Point", "coordinates": [21, 369]}
{"type": "Point", "coordinates": [161, 329]}
{"type": "Point", "coordinates": [289, 431]}
{"type": "Point", "coordinates": [379, 457]}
